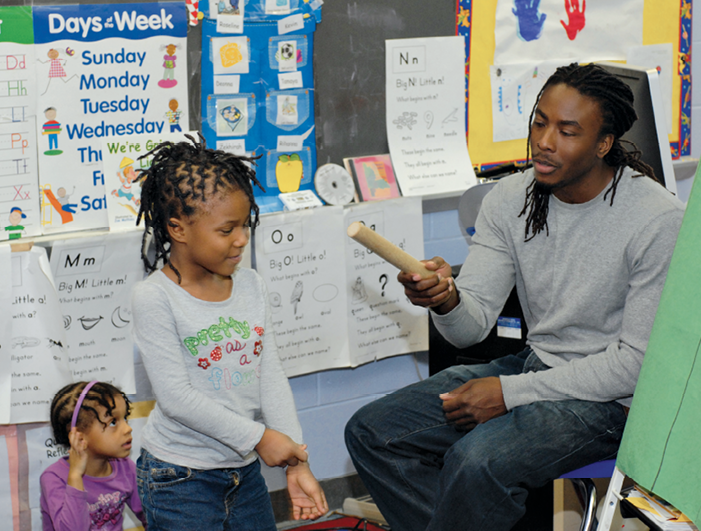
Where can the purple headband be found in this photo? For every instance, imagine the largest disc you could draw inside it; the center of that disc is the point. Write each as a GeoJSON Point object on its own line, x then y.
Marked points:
{"type": "Point", "coordinates": [79, 403]}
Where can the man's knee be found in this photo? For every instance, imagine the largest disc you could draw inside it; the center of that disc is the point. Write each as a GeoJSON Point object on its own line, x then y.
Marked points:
{"type": "Point", "coordinates": [358, 430]}
{"type": "Point", "coordinates": [478, 456]}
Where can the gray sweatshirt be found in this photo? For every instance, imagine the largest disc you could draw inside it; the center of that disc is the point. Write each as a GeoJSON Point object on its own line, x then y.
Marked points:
{"type": "Point", "coordinates": [589, 290]}
{"type": "Point", "coordinates": [214, 370]}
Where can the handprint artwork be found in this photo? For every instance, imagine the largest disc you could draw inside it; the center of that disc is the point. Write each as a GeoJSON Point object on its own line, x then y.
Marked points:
{"type": "Point", "coordinates": [575, 17]}
{"type": "Point", "coordinates": [530, 21]}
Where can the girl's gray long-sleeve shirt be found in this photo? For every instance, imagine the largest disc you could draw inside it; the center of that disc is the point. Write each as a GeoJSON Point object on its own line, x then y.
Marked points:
{"type": "Point", "coordinates": [589, 288]}
{"type": "Point", "coordinates": [214, 370]}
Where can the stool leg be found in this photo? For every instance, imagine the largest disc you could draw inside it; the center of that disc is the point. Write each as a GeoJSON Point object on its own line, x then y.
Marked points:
{"type": "Point", "coordinates": [586, 493]}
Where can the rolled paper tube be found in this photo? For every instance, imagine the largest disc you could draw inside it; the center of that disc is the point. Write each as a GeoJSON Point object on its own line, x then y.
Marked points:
{"type": "Point", "coordinates": [387, 250]}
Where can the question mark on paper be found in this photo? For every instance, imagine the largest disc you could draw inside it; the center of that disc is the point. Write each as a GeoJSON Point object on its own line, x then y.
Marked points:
{"type": "Point", "coordinates": [428, 118]}
{"type": "Point", "coordinates": [383, 281]}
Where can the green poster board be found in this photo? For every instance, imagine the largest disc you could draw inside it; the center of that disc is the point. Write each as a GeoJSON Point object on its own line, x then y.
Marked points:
{"type": "Point", "coordinates": [16, 25]}
{"type": "Point", "coordinates": [661, 447]}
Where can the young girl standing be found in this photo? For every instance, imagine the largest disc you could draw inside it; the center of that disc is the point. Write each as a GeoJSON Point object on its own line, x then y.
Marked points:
{"type": "Point", "coordinates": [88, 489]}
{"type": "Point", "coordinates": [204, 330]}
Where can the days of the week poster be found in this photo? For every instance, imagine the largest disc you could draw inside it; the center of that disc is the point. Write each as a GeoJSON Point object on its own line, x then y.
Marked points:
{"type": "Point", "coordinates": [101, 71]}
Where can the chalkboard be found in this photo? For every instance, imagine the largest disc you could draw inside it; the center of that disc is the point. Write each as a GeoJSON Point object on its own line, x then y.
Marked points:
{"type": "Point", "coordinates": [349, 68]}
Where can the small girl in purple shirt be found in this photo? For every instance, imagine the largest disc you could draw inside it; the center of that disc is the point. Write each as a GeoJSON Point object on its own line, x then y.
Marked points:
{"type": "Point", "coordinates": [87, 490]}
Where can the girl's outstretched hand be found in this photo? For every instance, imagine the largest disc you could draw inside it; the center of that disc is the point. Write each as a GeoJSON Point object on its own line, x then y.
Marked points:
{"type": "Point", "coordinates": [277, 449]}
{"type": "Point", "coordinates": [77, 458]}
{"type": "Point", "coordinates": [308, 498]}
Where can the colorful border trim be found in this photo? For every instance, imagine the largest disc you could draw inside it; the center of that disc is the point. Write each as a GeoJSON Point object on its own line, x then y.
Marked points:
{"type": "Point", "coordinates": [463, 23]}
{"type": "Point", "coordinates": [682, 148]}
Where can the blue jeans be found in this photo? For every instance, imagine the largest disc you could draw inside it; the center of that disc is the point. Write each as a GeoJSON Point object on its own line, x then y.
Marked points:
{"type": "Point", "coordinates": [176, 498]}
{"type": "Point", "coordinates": [424, 475]}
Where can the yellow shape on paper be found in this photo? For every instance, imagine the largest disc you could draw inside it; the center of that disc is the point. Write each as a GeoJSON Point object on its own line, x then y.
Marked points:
{"type": "Point", "coordinates": [642, 503]}
{"type": "Point", "coordinates": [230, 54]}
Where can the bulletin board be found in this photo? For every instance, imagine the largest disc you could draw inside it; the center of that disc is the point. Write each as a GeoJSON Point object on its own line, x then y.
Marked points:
{"type": "Point", "coordinates": [663, 21]}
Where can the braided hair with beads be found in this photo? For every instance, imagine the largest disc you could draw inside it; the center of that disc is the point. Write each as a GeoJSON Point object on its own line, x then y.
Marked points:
{"type": "Point", "coordinates": [615, 100]}
{"type": "Point", "coordinates": [65, 401]}
{"type": "Point", "coordinates": [181, 177]}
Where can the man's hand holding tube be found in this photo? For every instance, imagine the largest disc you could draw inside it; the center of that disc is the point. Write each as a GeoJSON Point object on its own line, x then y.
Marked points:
{"type": "Point", "coordinates": [437, 292]}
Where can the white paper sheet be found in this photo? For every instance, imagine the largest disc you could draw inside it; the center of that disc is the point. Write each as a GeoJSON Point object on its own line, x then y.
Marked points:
{"type": "Point", "coordinates": [39, 359]}
{"type": "Point", "coordinates": [660, 57]}
{"type": "Point", "coordinates": [5, 334]}
{"type": "Point", "coordinates": [425, 86]}
{"type": "Point", "coordinates": [514, 90]}
{"type": "Point", "coordinates": [94, 278]}
{"type": "Point", "coordinates": [301, 256]}
{"type": "Point", "coordinates": [381, 320]}
{"type": "Point", "coordinates": [5, 490]}
{"type": "Point", "coordinates": [538, 30]}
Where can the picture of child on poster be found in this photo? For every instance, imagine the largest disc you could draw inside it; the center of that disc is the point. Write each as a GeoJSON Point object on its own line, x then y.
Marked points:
{"type": "Point", "coordinates": [127, 176]}
{"type": "Point", "coordinates": [52, 128]}
{"type": "Point", "coordinates": [169, 58]}
{"type": "Point", "coordinates": [15, 229]}
{"type": "Point", "coordinates": [56, 70]}
{"type": "Point", "coordinates": [173, 116]}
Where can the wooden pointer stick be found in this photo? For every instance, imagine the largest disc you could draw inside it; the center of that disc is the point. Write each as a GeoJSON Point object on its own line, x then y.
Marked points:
{"type": "Point", "coordinates": [387, 250]}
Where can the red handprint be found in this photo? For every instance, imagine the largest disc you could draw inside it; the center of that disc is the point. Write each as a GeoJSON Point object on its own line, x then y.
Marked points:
{"type": "Point", "coordinates": [576, 20]}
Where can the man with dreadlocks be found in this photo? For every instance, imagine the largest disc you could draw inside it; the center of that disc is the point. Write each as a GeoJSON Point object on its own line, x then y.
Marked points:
{"type": "Point", "coordinates": [586, 237]}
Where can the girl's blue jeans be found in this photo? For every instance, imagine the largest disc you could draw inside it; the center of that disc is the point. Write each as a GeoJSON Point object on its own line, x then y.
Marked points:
{"type": "Point", "coordinates": [178, 498]}
{"type": "Point", "coordinates": [424, 475]}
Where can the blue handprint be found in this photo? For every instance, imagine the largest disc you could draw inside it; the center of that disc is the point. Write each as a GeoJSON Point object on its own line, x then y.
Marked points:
{"type": "Point", "coordinates": [530, 22]}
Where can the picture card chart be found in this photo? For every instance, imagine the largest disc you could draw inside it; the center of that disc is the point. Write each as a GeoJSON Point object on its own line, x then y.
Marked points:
{"type": "Point", "coordinates": [381, 320]}
{"type": "Point", "coordinates": [19, 179]}
{"type": "Point", "coordinates": [39, 359]}
{"type": "Point", "coordinates": [425, 86]}
{"type": "Point", "coordinates": [94, 278]}
{"type": "Point", "coordinates": [301, 256]}
{"type": "Point", "coordinates": [102, 70]}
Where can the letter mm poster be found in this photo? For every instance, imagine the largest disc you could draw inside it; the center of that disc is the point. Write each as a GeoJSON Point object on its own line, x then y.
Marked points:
{"type": "Point", "coordinates": [101, 71]}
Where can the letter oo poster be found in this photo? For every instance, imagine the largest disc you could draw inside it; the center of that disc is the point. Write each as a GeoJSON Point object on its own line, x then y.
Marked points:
{"type": "Point", "coordinates": [101, 71]}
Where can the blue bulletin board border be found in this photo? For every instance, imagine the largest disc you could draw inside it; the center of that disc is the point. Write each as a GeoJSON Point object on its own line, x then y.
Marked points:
{"type": "Point", "coordinates": [678, 148]}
